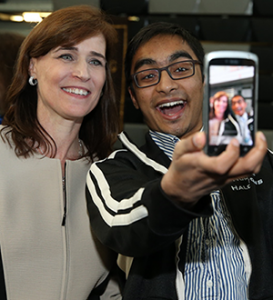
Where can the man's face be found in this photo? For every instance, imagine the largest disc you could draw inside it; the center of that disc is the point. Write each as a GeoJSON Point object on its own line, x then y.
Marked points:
{"type": "Point", "coordinates": [171, 106]}
{"type": "Point", "coordinates": [238, 105]}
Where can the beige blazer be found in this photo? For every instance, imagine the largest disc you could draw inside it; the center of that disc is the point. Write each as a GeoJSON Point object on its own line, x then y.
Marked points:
{"type": "Point", "coordinates": [41, 258]}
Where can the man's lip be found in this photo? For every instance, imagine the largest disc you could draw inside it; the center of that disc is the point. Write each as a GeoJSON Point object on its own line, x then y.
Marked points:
{"type": "Point", "coordinates": [170, 102]}
{"type": "Point", "coordinates": [171, 109]}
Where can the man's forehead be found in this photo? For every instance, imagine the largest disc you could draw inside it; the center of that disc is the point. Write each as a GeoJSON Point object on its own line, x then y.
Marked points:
{"type": "Point", "coordinates": [175, 43]}
{"type": "Point", "coordinates": [237, 98]}
{"type": "Point", "coordinates": [161, 61]}
{"type": "Point", "coordinates": [157, 52]}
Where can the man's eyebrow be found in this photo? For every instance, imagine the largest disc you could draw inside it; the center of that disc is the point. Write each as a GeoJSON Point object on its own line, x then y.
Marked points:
{"type": "Point", "coordinates": [142, 62]}
{"type": "Point", "coordinates": [179, 54]}
{"type": "Point", "coordinates": [173, 57]}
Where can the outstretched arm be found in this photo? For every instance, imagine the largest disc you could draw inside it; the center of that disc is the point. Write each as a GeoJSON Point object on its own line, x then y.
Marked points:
{"type": "Point", "coordinates": [193, 174]}
{"type": "Point", "coordinates": [136, 209]}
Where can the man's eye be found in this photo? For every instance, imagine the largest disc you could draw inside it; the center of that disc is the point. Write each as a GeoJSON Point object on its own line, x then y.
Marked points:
{"type": "Point", "coordinates": [148, 76]}
{"type": "Point", "coordinates": [181, 69]}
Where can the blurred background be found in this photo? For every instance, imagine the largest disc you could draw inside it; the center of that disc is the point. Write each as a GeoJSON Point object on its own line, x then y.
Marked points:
{"type": "Point", "coordinates": [220, 25]}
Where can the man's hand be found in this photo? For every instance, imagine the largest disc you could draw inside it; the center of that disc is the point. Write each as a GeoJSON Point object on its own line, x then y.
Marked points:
{"type": "Point", "coordinates": [192, 174]}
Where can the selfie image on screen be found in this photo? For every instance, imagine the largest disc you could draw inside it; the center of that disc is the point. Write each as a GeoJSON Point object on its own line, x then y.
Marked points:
{"type": "Point", "coordinates": [231, 92]}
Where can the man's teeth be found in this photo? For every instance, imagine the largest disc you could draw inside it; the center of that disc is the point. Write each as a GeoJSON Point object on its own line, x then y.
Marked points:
{"type": "Point", "coordinates": [170, 104]}
{"type": "Point", "coordinates": [76, 91]}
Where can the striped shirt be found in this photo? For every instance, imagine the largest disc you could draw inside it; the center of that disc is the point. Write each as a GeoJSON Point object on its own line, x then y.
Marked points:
{"type": "Point", "coordinates": [214, 263]}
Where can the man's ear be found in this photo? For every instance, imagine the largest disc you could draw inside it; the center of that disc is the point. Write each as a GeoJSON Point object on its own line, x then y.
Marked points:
{"type": "Point", "coordinates": [133, 98]}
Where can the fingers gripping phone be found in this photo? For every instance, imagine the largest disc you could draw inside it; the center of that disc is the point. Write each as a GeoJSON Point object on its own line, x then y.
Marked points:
{"type": "Point", "coordinates": [230, 100]}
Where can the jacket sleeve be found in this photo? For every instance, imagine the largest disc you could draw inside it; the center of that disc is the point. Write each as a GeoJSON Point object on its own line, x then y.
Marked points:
{"type": "Point", "coordinates": [109, 289]}
{"type": "Point", "coordinates": [128, 210]}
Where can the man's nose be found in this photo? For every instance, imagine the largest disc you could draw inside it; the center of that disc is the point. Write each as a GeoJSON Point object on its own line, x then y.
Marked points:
{"type": "Point", "coordinates": [166, 83]}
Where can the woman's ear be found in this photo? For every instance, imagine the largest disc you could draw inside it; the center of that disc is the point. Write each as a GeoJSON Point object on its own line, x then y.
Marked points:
{"type": "Point", "coordinates": [32, 67]}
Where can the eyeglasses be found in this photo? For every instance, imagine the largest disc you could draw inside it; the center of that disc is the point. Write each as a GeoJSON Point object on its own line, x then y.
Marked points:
{"type": "Point", "coordinates": [240, 101]}
{"type": "Point", "coordinates": [178, 70]}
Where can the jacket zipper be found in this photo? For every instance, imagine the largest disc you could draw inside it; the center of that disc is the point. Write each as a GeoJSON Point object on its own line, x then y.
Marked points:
{"type": "Point", "coordinates": [65, 282]}
{"type": "Point", "coordinates": [64, 193]}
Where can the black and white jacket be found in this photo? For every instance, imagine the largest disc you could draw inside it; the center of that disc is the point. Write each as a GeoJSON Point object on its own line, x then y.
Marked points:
{"type": "Point", "coordinates": [130, 213]}
{"type": "Point", "coordinates": [230, 128]}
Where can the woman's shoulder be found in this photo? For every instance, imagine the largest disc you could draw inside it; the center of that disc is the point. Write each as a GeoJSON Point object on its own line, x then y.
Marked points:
{"type": "Point", "coordinates": [214, 120]}
{"type": "Point", "coordinates": [5, 133]}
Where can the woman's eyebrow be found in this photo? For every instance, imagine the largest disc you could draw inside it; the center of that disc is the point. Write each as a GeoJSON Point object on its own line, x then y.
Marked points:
{"type": "Point", "coordinates": [98, 54]}
{"type": "Point", "coordinates": [66, 48]}
{"type": "Point", "coordinates": [72, 48]}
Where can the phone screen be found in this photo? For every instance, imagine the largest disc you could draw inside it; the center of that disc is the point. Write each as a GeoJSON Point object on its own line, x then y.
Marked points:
{"type": "Point", "coordinates": [231, 91]}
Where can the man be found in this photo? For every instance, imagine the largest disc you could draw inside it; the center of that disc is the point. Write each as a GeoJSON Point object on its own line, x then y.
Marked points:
{"type": "Point", "coordinates": [160, 207]}
{"type": "Point", "coordinates": [238, 124]}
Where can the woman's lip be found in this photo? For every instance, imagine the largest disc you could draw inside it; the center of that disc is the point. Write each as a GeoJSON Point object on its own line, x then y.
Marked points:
{"type": "Point", "coordinates": [76, 91]}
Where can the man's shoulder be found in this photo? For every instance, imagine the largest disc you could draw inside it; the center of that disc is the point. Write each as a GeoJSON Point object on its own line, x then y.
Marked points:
{"type": "Point", "coordinates": [269, 157]}
{"type": "Point", "coordinates": [229, 122]}
{"type": "Point", "coordinates": [127, 150]}
{"type": "Point", "coordinates": [148, 156]}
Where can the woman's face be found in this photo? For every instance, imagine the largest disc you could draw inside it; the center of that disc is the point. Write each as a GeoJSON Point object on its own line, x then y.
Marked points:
{"type": "Point", "coordinates": [220, 106]}
{"type": "Point", "coordinates": [70, 79]}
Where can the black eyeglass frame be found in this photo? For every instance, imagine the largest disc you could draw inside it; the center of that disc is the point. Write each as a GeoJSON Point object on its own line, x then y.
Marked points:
{"type": "Point", "coordinates": [167, 70]}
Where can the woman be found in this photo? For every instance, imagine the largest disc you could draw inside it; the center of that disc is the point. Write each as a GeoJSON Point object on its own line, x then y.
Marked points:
{"type": "Point", "coordinates": [63, 115]}
{"type": "Point", "coordinates": [219, 111]}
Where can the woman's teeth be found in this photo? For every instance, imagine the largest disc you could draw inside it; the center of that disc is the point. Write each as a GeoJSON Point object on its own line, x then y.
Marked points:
{"type": "Point", "coordinates": [76, 91]}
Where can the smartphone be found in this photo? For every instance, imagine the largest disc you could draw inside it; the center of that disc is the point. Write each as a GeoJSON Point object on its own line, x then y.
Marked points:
{"type": "Point", "coordinates": [230, 100]}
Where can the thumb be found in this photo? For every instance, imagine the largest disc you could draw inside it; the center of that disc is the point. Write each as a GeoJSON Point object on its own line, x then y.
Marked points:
{"type": "Point", "coordinates": [199, 140]}
{"type": "Point", "coordinates": [193, 143]}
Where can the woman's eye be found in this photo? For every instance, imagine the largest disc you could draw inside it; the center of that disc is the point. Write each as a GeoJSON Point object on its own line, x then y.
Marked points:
{"type": "Point", "coordinates": [96, 62]}
{"type": "Point", "coordinates": [66, 56]}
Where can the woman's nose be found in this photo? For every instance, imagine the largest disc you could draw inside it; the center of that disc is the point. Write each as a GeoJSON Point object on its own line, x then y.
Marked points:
{"type": "Point", "coordinates": [81, 70]}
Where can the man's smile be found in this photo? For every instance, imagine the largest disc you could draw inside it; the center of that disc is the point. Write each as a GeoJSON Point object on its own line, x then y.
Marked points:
{"type": "Point", "coordinates": [171, 108]}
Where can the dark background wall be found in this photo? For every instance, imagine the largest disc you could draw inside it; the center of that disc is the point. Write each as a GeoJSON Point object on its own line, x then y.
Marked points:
{"type": "Point", "coordinates": [220, 25]}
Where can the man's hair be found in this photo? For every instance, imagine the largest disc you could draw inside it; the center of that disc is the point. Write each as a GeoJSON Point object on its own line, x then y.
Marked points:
{"type": "Point", "coordinates": [160, 28]}
{"type": "Point", "coordinates": [236, 96]}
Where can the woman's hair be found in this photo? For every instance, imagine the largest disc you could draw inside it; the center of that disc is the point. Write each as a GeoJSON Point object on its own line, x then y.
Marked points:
{"type": "Point", "coordinates": [217, 96]}
{"type": "Point", "coordinates": [65, 27]}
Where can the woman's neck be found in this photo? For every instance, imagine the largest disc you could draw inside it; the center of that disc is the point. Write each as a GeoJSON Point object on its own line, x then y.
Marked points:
{"type": "Point", "coordinates": [219, 116]}
{"type": "Point", "coordinates": [66, 138]}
